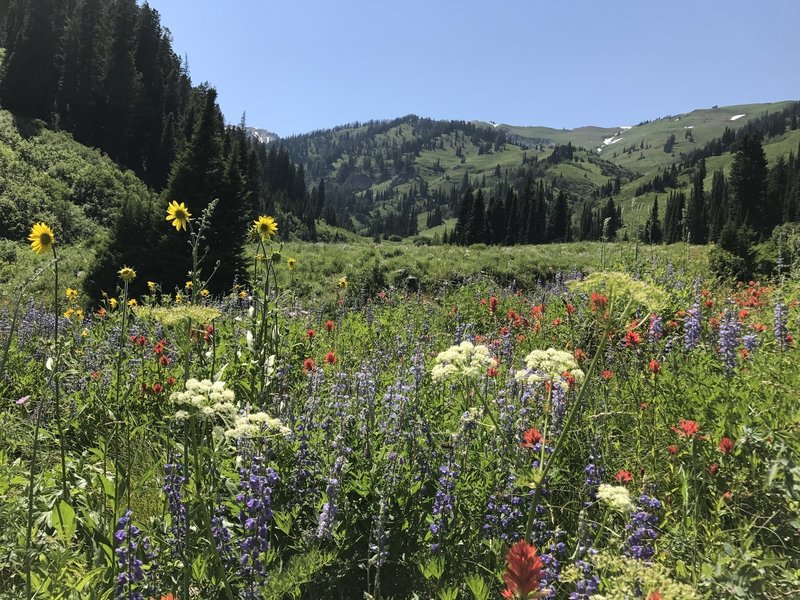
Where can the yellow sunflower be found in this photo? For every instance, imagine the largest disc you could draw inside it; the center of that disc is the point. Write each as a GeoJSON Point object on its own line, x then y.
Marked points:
{"type": "Point", "coordinates": [71, 294]}
{"type": "Point", "coordinates": [178, 214]}
{"type": "Point", "coordinates": [290, 262]}
{"type": "Point", "coordinates": [41, 238]}
{"type": "Point", "coordinates": [343, 283]}
{"type": "Point", "coordinates": [127, 274]}
{"type": "Point", "coordinates": [266, 227]}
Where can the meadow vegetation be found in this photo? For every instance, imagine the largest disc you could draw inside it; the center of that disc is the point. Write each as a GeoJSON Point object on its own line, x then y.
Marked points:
{"type": "Point", "coordinates": [390, 421]}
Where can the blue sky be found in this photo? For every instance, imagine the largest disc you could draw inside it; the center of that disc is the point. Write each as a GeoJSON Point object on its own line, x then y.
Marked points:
{"type": "Point", "coordinates": [299, 65]}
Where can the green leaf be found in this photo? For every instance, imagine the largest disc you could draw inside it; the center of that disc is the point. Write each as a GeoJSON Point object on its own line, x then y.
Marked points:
{"type": "Point", "coordinates": [478, 587]}
{"type": "Point", "coordinates": [63, 519]}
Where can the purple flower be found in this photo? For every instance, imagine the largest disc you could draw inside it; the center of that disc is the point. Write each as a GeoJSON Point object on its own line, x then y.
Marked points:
{"type": "Point", "coordinates": [443, 504]}
{"type": "Point", "coordinates": [779, 325]}
{"type": "Point", "coordinates": [327, 518]}
{"type": "Point", "coordinates": [174, 482]}
{"type": "Point", "coordinates": [642, 529]}
{"type": "Point", "coordinates": [255, 499]}
{"type": "Point", "coordinates": [131, 573]}
{"type": "Point", "coordinates": [728, 339]}
{"type": "Point", "coordinates": [692, 328]}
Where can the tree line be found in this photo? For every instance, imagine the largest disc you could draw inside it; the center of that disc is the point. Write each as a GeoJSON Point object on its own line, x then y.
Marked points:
{"type": "Point", "coordinates": [105, 71]}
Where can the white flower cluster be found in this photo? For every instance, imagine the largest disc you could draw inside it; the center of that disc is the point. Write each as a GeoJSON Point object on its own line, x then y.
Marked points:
{"type": "Point", "coordinates": [204, 398]}
{"type": "Point", "coordinates": [464, 360]}
{"type": "Point", "coordinates": [616, 497]}
{"type": "Point", "coordinates": [255, 425]}
{"type": "Point", "coordinates": [548, 365]}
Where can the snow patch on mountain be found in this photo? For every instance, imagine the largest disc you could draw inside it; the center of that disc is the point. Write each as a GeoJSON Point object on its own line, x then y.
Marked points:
{"type": "Point", "coordinates": [734, 117]}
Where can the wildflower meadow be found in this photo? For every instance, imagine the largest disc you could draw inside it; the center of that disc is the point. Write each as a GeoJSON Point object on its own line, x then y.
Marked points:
{"type": "Point", "coordinates": [629, 433]}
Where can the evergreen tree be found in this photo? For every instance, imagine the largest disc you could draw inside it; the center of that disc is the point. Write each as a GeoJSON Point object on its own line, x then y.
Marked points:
{"type": "Point", "coordinates": [748, 179]}
{"type": "Point", "coordinates": [120, 83]}
{"type": "Point", "coordinates": [475, 231]}
{"type": "Point", "coordinates": [696, 215]}
{"type": "Point", "coordinates": [559, 220]}
{"type": "Point", "coordinates": [496, 221]}
{"type": "Point", "coordinates": [673, 217]}
{"type": "Point", "coordinates": [81, 98]}
{"type": "Point", "coordinates": [200, 174]}
{"type": "Point", "coordinates": [718, 205]}
{"type": "Point", "coordinates": [652, 233]}
{"type": "Point", "coordinates": [30, 71]}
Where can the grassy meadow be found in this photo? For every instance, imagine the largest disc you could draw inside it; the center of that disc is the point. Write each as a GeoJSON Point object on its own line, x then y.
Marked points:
{"type": "Point", "coordinates": [388, 421]}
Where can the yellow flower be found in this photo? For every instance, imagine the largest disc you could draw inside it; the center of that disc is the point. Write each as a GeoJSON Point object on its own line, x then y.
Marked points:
{"type": "Point", "coordinates": [151, 285]}
{"type": "Point", "coordinates": [68, 313]}
{"type": "Point", "coordinates": [79, 314]}
{"type": "Point", "coordinates": [178, 214]}
{"type": "Point", "coordinates": [343, 283]}
{"type": "Point", "coordinates": [243, 294]}
{"type": "Point", "coordinates": [132, 302]}
{"type": "Point", "coordinates": [112, 302]}
{"type": "Point", "coordinates": [290, 262]}
{"type": "Point", "coordinates": [127, 274]}
{"type": "Point", "coordinates": [188, 285]}
{"type": "Point", "coordinates": [266, 227]}
{"type": "Point", "coordinates": [204, 293]}
{"type": "Point", "coordinates": [85, 332]}
{"type": "Point", "coordinates": [178, 298]}
{"type": "Point", "coordinates": [71, 294]}
{"type": "Point", "coordinates": [41, 238]}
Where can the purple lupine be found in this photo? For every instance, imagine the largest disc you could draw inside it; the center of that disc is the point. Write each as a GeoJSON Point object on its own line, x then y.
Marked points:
{"type": "Point", "coordinates": [327, 518]}
{"type": "Point", "coordinates": [589, 582]}
{"type": "Point", "coordinates": [750, 342]}
{"type": "Point", "coordinates": [728, 339]}
{"type": "Point", "coordinates": [558, 399]}
{"type": "Point", "coordinates": [551, 563]}
{"type": "Point", "coordinates": [642, 529]}
{"type": "Point", "coordinates": [692, 328]}
{"type": "Point", "coordinates": [377, 543]}
{"type": "Point", "coordinates": [255, 499]}
{"type": "Point", "coordinates": [779, 325]}
{"type": "Point", "coordinates": [504, 512]}
{"type": "Point", "coordinates": [656, 330]}
{"type": "Point", "coordinates": [131, 574]}
{"type": "Point", "coordinates": [594, 477]}
{"type": "Point", "coordinates": [174, 482]}
{"type": "Point", "coordinates": [222, 537]}
{"type": "Point", "coordinates": [443, 504]}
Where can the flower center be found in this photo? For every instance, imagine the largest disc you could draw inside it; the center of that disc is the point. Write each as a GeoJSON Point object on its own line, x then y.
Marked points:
{"type": "Point", "coordinates": [44, 239]}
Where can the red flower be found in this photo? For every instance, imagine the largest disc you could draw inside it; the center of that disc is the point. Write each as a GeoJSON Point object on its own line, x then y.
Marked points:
{"type": "Point", "coordinates": [654, 595]}
{"type": "Point", "coordinates": [727, 496]}
{"type": "Point", "coordinates": [330, 358]}
{"type": "Point", "coordinates": [532, 437]}
{"type": "Point", "coordinates": [491, 372]}
{"type": "Point", "coordinates": [512, 314]}
{"type": "Point", "coordinates": [607, 374]}
{"type": "Point", "coordinates": [329, 325]}
{"type": "Point", "coordinates": [309, 365]}
{"type": "Point", "coordinates": [310, 333]}
{"type": "Point", "coordinates": [672, 449]}
{"type": "Point", "coordinates": [654, 366]}
{"type": "Point", "coordinates": [537, 311]}
{"type": "Point", "coordinates": [504, 331]}
{"type": "Point", "coordinates": [597, 301]}
{"type": "Point", "coordinates": [632, 339]}
{"type": "Point", "coordinates": [493, 304]}
{"type": "Point", "coordinates": [95, 375]}
{"type": "Point", "coordinates": [157, 388]}
{"type": "Point", "coordinates": [164, 360]}
{"type": "Point", "coordinates": [713, 469]}
{"type": "Point", "coordinates": [623, 476]}
{"type": "Point", "coordinates": [171, 381]}
{"type": "Point", "coordinates": [158, 348]}
{"type": "Point", "coordinates": [686, 428]}
{"type": "Point", "coordinates": [726, 445]}
{"type": "Point", "coordinates": [580, 354]}
{"type": "Point", "coordinates": [556, 322]}
{"type": "Point", "coordinates": [523, 573]}
{"type": "Point", "coordinates": [708, 303]}
{"type": "Point", "coordinates": [570, 309]}
{"type": "Point", "coordinates": [569, 378]}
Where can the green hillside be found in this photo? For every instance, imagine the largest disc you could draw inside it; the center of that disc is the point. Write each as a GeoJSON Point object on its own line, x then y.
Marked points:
{"type": "Point", "coordinates": [406, 176]}
{"type": "Point", "coordinates": [48, 176]}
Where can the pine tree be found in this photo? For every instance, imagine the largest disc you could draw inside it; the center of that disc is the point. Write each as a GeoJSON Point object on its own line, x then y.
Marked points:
{"type": "Point", "coordinates": [496, 220]}
{"type": "Point", "coordinates": [696, 214]}
{"type": "Point", "coordinates": [559, 220]}
{"type": "Point", "coordinates": [475, 231]}
{"type": "Point", "coordinates": [748, 177]}
{"type": "Point", "coordinates": [81, 98]}
{"type": "Point", "coordinates": [120, 83]}
{"type": "Point", "coordinates": [652, 233]}
{"type": "Point", "coordinates": [30, 72]}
